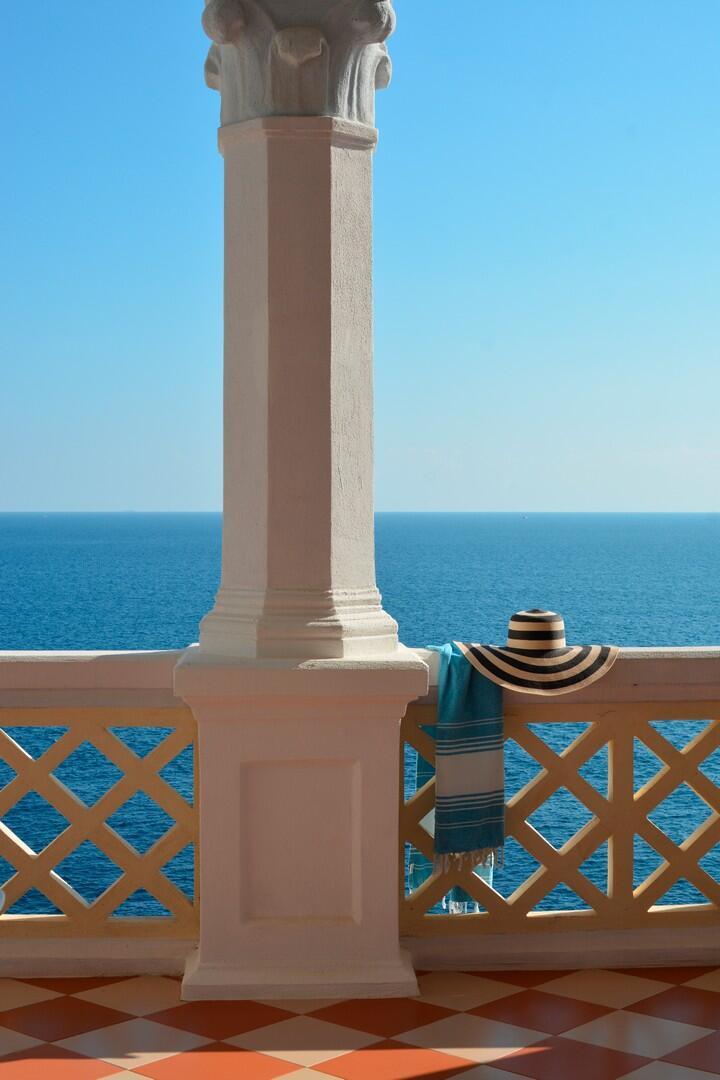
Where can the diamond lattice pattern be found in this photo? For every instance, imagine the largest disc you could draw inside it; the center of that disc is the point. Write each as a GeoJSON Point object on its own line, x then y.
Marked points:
{"type": "Point", "coordinates": [66, 849]}
{"type": "Point", "coordinates": [610, 821]}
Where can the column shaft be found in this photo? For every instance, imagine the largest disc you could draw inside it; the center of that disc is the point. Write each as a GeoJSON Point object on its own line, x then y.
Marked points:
{"type": "Point", "coordinates": [298, 575]}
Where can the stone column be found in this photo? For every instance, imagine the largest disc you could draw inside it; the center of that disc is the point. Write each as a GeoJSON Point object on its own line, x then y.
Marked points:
{"type": "Point", "coordinates": [299, 682]}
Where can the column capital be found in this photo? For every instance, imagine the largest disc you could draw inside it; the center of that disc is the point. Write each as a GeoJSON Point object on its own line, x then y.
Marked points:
{"type": "Point", "coordinates": [298, 57]}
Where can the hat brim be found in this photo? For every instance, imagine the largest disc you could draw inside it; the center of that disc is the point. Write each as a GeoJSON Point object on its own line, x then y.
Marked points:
{"type": "Point", "coordinates": [556, 671]}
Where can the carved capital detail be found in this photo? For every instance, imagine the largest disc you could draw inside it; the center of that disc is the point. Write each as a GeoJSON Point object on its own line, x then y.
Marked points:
{"type": "Point", "coordinates": [298, 57]}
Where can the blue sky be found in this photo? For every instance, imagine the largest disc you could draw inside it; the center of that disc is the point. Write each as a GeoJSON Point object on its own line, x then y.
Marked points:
{"type": "Point", "coordinates": [547, 272]}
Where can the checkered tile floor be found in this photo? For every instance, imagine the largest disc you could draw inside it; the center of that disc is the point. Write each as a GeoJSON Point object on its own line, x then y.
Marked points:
{"type": "Point", "coordinates": [659, 1024]}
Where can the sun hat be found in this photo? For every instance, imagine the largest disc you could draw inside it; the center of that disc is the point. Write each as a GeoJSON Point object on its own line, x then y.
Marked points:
{"type": "Point", "coordinates": [537, 659]}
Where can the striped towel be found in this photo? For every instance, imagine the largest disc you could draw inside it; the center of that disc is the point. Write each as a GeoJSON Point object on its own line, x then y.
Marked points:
{"type": "Point", "coordinates": [470, 795]}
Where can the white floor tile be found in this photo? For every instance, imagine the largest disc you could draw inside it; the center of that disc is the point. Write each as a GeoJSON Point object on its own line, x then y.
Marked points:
{"type": "Point", "coordinates": [306, 1074]}
{"type": "Point", "coordinates": [662, 1070]}
{"type": "Point", "coordinates": [12, 1042]}
{"type": "Point", "coordinates": [484, 1072]}
{"type": "Point", "coordinates": [139, 997]}
{"type": "Point", "coordinates": [609, 988]}
{"type": "Point", "coordinates": [709, 981]}
{"type": "Point", "coordinates": [303, 1040]}
{"type": "Point", "coordinates": [472, 1037]}
{"type": "Point", "coordinates": [458, 991]}
{"type": "Point", "coordinates": [14, 994]}
{"type": "Point", "coordinates": [303, 1005]}
{"type": "Point", "coordinates": [134, 1044]}
{"type": "Point", "coordinates": [633, 1033]}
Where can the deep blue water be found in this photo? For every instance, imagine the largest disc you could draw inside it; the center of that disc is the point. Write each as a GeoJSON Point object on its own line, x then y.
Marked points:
{"type": "Point", "coordinates": [142, 581]}
{"type": "Point", "coordinates": [106, 581]}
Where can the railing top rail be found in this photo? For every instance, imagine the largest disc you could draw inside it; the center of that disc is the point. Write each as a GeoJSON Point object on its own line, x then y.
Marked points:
{"type": "Point", "coordinates": [117, 678]}
{"type": "Point", "coordinates": [86, 679]}
{"type": "Point", "coordinates": [640, 674]}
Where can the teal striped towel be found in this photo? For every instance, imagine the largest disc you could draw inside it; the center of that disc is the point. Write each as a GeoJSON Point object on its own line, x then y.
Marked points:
{"type": "Point", "coordinates": [470, 794]}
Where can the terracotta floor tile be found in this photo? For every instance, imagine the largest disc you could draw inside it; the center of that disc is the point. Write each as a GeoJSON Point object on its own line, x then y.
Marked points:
{"type": "Point", "coordinates": [390, 1060]}
{"type": "Point", "coordinates": [675, 975]}
{"type": "Point", "coordinates": [709, 981]}
{"type": "Point", "coordinates": [684, 1003]}
{"type": "Point", "coordinates": [138, 997]}
{"type": "Point", "coordinates": [303, 1040]}
{"type": "Point", "coordinates": [548, 1013]}
{"type": "Point", "coordinates": [633, 1033]}
{"type": "Point", "coordinates": [482, 1025]}
{"type": "Point", "coordinates": [703, 1054]}
{"type": "Point", "coordinates": [525, 979]}
{"type": "Point", "coordinates": [383, 1018]}
{"type": "Point", "coordinates": [661, 1070]}
{"type": "Point", "coordinates": [472, 1037]}
{"type": "Point", "coordinates": [220, 1019]}
{"type": "Point", "coordinates": [74, 986]}
{"type": "Point", "coordinates": [60, 1018]}
{"type": "Point", "coordinates": [218, 1061]}
{"type": "Point", "coordinates": [51, 1063]}
{"type": "Point", "coordinates": [557, 1058]}
{"type": "Point", "coordinates": [15, 993]}
{"type": "Point", "coordinates": [452, 990]}
{"type": "Point", "coordinates": [604, 987]}
{"type": "Point", "coordinates": [134, 1044]}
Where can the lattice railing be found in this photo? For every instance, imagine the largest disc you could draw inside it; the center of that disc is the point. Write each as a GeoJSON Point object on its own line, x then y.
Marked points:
{"type": "Point", "coordinates": [609, 851]}
{"type": "Point", "coordinates": [97, 824]}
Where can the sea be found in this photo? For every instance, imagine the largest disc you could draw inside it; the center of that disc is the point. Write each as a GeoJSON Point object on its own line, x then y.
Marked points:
{"type": "Point", "coordinates": [143, 581]}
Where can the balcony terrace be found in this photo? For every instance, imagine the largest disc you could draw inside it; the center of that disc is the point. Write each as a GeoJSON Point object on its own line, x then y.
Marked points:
{"type": "Point", "coordinates": [618, 984]}
{"type": "Point", "coordinates": [95, 699]}
{"type": "Point", "coordinates": [646, 1025]}
{"type": "Point", "coordinates": [273, 927]}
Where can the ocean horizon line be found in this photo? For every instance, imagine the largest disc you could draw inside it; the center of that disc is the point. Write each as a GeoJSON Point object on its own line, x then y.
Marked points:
{"type": "Point", "coordinates": [496, 513]}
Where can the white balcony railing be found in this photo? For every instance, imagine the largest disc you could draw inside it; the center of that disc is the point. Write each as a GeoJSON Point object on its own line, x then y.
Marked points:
{"type": "Point", "coordinates": [612, 861]}
{"type": "Point", "coordinates": [81, 850]}
{"type": "Point", "coordinates": [601, 882]}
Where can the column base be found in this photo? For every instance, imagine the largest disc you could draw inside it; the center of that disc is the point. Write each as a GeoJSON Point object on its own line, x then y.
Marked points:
{"type": "Point", "coordinates": [299, 847]}
{"type": "Point", "coordinates": [207, 982]}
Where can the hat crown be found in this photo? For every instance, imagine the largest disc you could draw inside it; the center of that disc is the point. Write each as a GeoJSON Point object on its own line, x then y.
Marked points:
{"type": "Point", "coordinates": [536, 631]}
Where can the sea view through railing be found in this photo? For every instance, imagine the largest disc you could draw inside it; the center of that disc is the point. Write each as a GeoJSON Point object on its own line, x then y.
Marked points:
{"type": "Point", "coordinates": [142, 581]}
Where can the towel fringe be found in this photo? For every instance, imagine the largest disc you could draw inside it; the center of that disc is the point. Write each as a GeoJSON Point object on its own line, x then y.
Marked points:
{"type": "Point", "coordinates": [468, 860]}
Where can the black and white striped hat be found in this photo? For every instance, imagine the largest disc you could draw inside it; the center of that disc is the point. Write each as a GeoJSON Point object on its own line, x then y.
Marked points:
{"type": "Point", "coordinates": [537, 659]}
